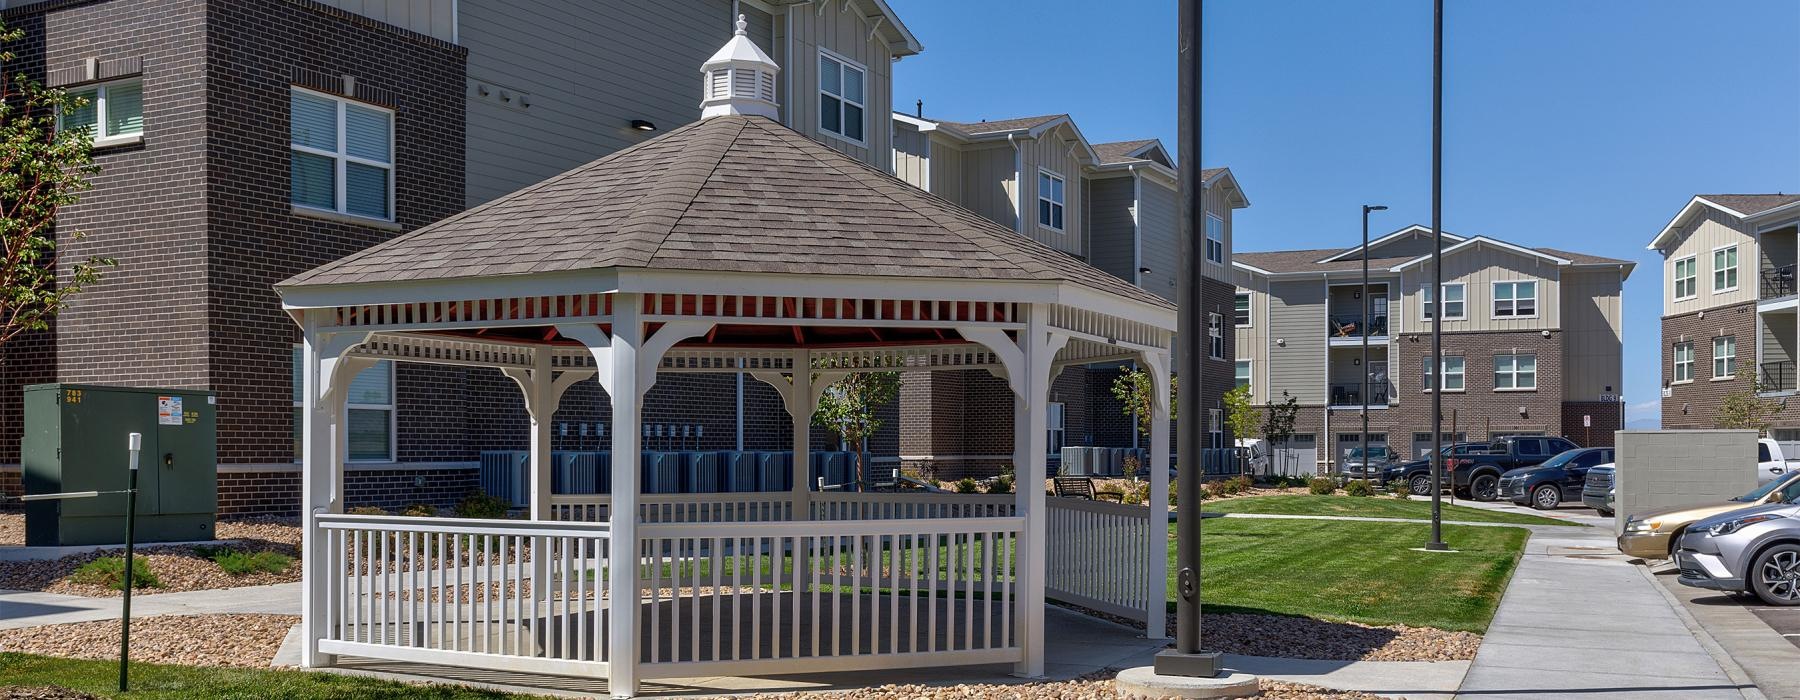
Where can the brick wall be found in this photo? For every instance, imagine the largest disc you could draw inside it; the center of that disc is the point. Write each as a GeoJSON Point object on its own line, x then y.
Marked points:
{"type": "Point", "coordinates": [1606, 418]}
{"type": "Point", "coordinates": [11, 487]}
{"type": "Point", "coordinates": [257, 50]}
{"type": "Point", "coordinates": [1480, 410]}
{"type": "Point", "coordinates": [1695, 405]}
{"type": "Point", "coordinates": [276, 491]}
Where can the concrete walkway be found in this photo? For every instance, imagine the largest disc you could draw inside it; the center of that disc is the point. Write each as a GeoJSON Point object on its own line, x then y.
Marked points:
{"type": "Point", "coordinates": [33, 608]}
{"type": "Point", "coordinates": [1579, 620]}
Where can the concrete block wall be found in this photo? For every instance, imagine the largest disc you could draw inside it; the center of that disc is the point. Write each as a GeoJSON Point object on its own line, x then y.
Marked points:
{"type": "Point", "coordinates": [1662, 468]}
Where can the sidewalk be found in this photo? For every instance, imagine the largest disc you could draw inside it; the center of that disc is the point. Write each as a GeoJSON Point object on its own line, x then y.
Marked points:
{"type": "Point", "coordinates": [1579, 620]}
{"type": "Point", "coordinates": [32, 608]}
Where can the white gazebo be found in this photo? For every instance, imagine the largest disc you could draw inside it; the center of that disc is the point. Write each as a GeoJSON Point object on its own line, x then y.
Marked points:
{"type": "Point", "coordinates": [729, 245]}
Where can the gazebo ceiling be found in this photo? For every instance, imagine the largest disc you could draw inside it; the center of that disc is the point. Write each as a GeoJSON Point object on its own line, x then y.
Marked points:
{"type": "Point", "coordinates": [728, 194]}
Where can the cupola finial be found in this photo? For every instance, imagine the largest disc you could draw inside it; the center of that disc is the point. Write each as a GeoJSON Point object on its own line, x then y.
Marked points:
{"type": "Point", "coordinates": [739, 79]}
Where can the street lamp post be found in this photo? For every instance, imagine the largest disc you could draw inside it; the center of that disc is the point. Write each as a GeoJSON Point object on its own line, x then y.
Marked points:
{"type": "Point", "coordinates": [1365, 336]}
{"type": "Point", "coordinates": [1437, 278]}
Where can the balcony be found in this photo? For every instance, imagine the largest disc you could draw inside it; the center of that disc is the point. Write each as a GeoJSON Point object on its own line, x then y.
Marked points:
{"type": "Point", "coordinates": [1350, 326]}
{"type": "Point", "coordinates": [1777, 282]}
{"type": "Point", "coordinates": [1776, 377]}
{"type": "Point", "coordinates": [1350, 395]}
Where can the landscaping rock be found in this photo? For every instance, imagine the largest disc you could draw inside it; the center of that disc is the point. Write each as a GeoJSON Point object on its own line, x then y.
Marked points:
{"type": "Point", "coordinates": [1098, 686]}
{"type": "Point", "coordinates": [1306, 638]}
{"type": "Point", "coordinates": [243, 640]}
{"type": "Point", "coordinates": [179, 568]}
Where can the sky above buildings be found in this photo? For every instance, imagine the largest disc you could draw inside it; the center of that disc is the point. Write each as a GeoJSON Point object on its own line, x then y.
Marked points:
{"type": "Point", "coordinates": [1575, 125]}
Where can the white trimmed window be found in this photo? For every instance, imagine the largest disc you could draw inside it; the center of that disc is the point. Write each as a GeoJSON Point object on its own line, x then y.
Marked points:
{"type": "Point", "coordinates": [1215, 239]}
{"type": "Point", "coordinates": [1050, 200]}
{"type": "Point", "coordinates": [1682, 367]}
{"type": "Point", "coordinates": [1453, 374]}
{"type": "Point", "coordinates": [1515, 299]}
{"type": "Point", "coordinates": [369, 417]}
{"type": "Point", "coordinates": [1725, 269]}
{"type": "Point", "coordinates": [1724, 357]}
{"type": "Point", "coordinates": [1241, 318]}
{"type": "Point", "coordinates": [1053, 422]}
{"type": "Point", "coordinates": [1243, 373]}
{"type": "Point", "coordinates": [1455, 305]}
{"type": "Point", "coordinates": [1515, 372]}
{"type": "Point", "coordinates": [1686, 274]}
{"type": "Point", "coordinates": [112, 113]}
{"type": "Point", "coordinates": [342, 157]}
{"type": "Point", "coordinates": [1215, 336]}
{"type": "Point", "coordinates": [1215, 427]}
{"type": "Point", "coordinates": [841, 85]}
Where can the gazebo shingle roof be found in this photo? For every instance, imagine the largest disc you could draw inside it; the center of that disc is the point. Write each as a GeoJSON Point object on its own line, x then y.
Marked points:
{"type": "Point", "coordinates": [740, 194]}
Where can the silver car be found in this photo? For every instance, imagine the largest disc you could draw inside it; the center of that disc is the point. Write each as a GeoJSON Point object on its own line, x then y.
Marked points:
{"type": "Point", "coordinates": [1754, 550]}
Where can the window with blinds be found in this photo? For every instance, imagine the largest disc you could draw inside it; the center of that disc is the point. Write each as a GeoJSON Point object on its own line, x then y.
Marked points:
{"type": "Point", "coordinates": [368, 417]}
{"type": "Point", "coordinates": [111, 113]}
{"type": "Point", "coordinates": [342, 156]}
{"type": "Point", "coordinates": [840, 96]}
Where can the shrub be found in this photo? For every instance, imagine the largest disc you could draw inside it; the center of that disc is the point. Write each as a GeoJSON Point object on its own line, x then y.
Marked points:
{"type": "Point", "coordinates": [480, 505]}
{"type": "Point", "coordinates": [1216, 489]}
{"type": "Point", "coordinates": [1242, 483]}
{"type": "Point", "coordinates": [967, 485]}
{"type": "Point", "coordinates": [1001, 484]}
{"type": "Point", "coordinates": [419, 510]}
{"type": "Point", "coordinates": [238, 563]}
{"type": "Point", "coordinates": [1359, 488]}
{"type": "Point", "coordinates": [367, 510]}
{"type": "Point", "coordinates": [1137, 493]}
{"type": "Point", "coordinates": [110, 572]}
{"type": "Point", "coordinates": [1322, 486]}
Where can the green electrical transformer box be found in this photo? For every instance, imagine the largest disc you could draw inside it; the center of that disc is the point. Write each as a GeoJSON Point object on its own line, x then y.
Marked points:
{"type": "Point", "coordinates": [77, 439]}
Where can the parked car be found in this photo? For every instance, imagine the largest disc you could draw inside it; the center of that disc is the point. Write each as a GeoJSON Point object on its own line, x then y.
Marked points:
{"type": "Point", "coordinates": [1546, 486]}
{"type": "Point", "coordinates": [1477, 475]}
{"type": "Point", "coordinates": [1417, 473]}
{"type": "Point", "coordinates": [1770, 462]}
{"type": "Point", "coordinates": [1653, 534]}
{"type": "Point", "coordinates": [1597, 490]}
{"type": "Point", "coordinates": [1357, 465]}
{"type": "Point", "coordinates": [1755, 550]}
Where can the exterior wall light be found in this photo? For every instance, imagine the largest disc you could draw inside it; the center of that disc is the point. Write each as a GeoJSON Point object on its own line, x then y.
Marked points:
{"type": "Point", "coordinates": [642, 125]}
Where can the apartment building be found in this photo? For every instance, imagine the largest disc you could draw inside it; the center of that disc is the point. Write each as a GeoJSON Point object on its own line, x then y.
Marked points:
{"type": "Point", "coordinates": [1531, 341]}
{"type": "Point", "coordinates": [1729, 305]}
{"type": "Point", "coordinates": [1115, 205]}
{"type": "Point", "coordinates": [243, 141]}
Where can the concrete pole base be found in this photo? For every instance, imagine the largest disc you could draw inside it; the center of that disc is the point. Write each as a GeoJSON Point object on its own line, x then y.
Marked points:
{"type": "Point", "coordinates": [1142, 683]}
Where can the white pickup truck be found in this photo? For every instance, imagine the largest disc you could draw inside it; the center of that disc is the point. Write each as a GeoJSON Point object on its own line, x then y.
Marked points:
{"type": "Point", "coordinates": [1770, 462]}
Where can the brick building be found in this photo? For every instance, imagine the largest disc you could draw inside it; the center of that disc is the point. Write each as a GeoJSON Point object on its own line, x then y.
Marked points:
{"type": "Point", "coordinates": [243, 141]}
{"type": "Point", "coordinates": [1728, 321]}
{"type": "Point", "coordinates": [1531, 342]}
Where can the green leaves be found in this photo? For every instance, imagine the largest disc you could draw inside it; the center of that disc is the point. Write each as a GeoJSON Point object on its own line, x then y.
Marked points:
{"type": "Point", "coordinates": [1133, 388]}
{"type": "Point", "coordinates": [42, 169]}
{"type": "Point", "coordinates": [848, 406]}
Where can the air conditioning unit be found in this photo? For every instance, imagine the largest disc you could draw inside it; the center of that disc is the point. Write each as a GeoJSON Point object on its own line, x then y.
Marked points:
{"type": "Point", "coordinates": [504, 476]}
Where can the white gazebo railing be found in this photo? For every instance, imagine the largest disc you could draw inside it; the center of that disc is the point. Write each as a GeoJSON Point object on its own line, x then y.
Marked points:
{"type": "Point", "coordinates": [1100, 557]}
{"type": "Point", "coordinates": [503, 594]}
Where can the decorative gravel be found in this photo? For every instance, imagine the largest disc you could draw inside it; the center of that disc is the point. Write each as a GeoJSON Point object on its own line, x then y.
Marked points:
{"type": "Point", "coordinates": [179, 568]}
{"type": "Point", "coordinates": [1097, 686]}
{"type": "Point", "coordinates": [248, 641]}
{"type": "Point", "coordinates": [1306, 638]}
{"type": "Point", "coordinates": [12, 532]}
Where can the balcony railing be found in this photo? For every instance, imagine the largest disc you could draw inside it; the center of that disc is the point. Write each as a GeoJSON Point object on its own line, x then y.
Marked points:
{"type": "Point", "coordinates": [1350, 395]}
{"type": "Point", "coordinates": [1351, 325]}
{"type": "Point", "coordinates": [1776, 376]}
{"type": "Point", "coordinates": [1777, 282]}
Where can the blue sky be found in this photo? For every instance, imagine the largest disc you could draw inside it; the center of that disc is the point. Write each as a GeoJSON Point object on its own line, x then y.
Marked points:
{"type": "Point", "coordinates": [1577, 125]}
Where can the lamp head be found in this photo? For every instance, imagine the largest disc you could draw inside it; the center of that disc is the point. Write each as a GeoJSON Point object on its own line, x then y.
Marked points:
{"type": "Point", "coordinates": [1373, 207]}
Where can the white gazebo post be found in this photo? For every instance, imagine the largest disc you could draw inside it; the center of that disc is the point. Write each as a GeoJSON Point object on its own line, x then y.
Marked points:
{"type": "Point", "coordinates": [1156, 575]}
{"type": "Point", "coordinates": [543, 391]}
{"type": "Point", "coordinates": [800, 406]}
{"type": "Point", "coordinates": [324, 371]}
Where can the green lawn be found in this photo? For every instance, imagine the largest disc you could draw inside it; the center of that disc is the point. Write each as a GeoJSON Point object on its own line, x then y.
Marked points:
{"type": "Point", "coordinates": [1357, 571]}
{"type": "Point", "coordinates": [172, 682]}
{"type": "Point", "coordinates": [1368, 507]}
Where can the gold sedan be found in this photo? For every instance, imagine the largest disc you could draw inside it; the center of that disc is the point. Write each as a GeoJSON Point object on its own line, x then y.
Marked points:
{"type": "Point", "coordinates": [1652, 534]}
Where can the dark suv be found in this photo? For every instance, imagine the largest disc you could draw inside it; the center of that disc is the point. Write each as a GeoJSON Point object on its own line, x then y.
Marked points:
{"type": "Point", "coordinates": [1558, 479]}
{"type": "Point", "coordinates": [1417, 473]}
{"type": "Point", "coordinates": [1477, 475]}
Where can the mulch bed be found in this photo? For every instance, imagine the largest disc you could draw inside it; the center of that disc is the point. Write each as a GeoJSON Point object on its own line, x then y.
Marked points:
{"type": "Point", "coordinates": [242, 640]}
{"type": "Point", "coordinates": [179, 568]}
{"type": "Point", "coordinates": [1306, 638]}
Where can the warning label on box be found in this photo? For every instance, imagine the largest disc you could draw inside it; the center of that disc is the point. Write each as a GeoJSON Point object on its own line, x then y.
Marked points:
{"type": "Point", "coordinates": [168, 410]}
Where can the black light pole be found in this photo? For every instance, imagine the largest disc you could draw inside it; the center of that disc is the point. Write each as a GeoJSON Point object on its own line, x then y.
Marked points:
{"type": "Point", "coordinates": [1437, 278]}
{"type": "Point", "coordinates": [1186, 659]}
{"type": "Point", "coordinates": [1366, 329]}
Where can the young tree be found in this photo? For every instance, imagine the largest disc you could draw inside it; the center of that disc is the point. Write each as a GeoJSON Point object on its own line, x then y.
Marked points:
{"type": "Point", "coordinates": [848, 406]}
{"type": "Point", "coordinates": [42, 169]}
{"type": "Point", "coordinates": [1241, 417]}
{"type": "Point", "coordinates": [1278, 423]}
{"type": "Point", "coordinates": [1132, 387]}
{"type": "Point", "coordinates": [1747, 410]}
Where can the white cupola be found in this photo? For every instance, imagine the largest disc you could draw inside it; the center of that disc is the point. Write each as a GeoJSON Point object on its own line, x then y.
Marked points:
{"type": "Point", "coordinates": [739, 79]}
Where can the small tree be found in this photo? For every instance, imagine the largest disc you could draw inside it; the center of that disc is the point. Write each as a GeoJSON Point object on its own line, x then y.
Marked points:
{"type": "Point", "coordinates": [1748, 410]}
{"type": "Point", "coordinates": [1241, 417]}
{"type": "Point", "coordinates": [42, 169]}
{"type": "Point", "coordinates": [848, 406]}
{"type": "Point", "coordinates": [1132, 388]}
{"type": "Point", "coordinates": [1278, 423]}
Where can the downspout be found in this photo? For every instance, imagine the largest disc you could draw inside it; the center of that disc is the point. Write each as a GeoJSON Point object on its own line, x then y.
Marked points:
{"type": "Point", "coordinates": [1137, 226]}
{"type": "Point", "coordinates": [1018, 185]}
{"type": "Point", "coordinates": [1330, 439]}
{"type": "Point", "coordinates": [740, 405]}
